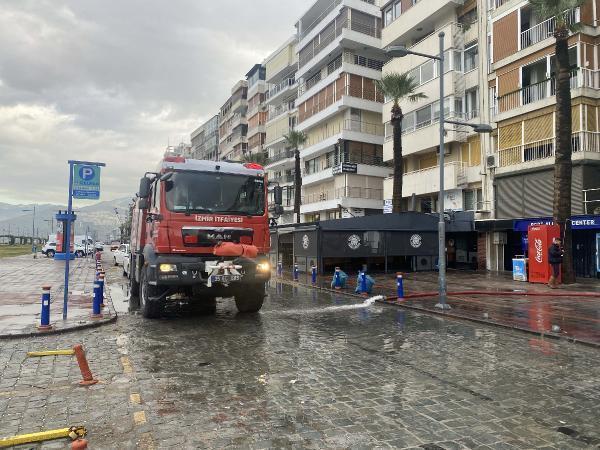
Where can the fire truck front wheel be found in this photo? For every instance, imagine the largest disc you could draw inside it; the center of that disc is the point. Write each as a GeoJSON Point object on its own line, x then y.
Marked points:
{"type": "Point", "coordinates": [251, 299]}
{"type": "Point", "coordinates": [151, 305]}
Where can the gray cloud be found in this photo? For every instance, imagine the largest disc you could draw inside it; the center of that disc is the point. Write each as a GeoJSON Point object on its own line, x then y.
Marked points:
{"type": "Point", "coordinates": [113, 80]}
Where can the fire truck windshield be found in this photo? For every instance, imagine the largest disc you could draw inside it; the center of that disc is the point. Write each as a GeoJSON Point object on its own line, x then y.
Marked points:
{"type": "Point", "coordinates": [202, 192]}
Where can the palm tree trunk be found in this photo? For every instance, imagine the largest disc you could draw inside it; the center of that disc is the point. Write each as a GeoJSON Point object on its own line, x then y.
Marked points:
{"type": "Point", "coordinates": [563, 163]}
{"type": "Point", "coordinates": [297, 185]}
{"type": "Point", "coordinates": [397, 130]}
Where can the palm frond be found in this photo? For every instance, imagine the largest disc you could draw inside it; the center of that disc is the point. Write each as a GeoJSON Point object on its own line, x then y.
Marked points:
{"type": "Point", "coordinates": [398, 86]}
{"type": "Point", "coordinates": [295, 139]}
{"type": "Point", "coordinates": [558, 9]}
{"type": "Point", "coordinates": [258, 158]}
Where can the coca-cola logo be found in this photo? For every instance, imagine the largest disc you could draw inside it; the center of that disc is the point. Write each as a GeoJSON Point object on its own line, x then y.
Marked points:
{"type": "Point", "coordinates": [539, 255]}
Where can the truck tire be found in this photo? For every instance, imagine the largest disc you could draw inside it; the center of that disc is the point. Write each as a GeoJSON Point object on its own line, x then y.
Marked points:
{"type": "Point", "coordinates": [151, 309]}
{"type": "Point", "coordinates": [251, 299]}
{"type": "Point", "coordinates": [134, 286]}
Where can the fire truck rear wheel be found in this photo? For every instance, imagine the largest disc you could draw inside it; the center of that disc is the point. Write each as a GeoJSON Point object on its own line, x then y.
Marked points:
{"type": "Point", "coordinates": [251, 299]}
{"type": "Point", "coordinates": [150, 309]}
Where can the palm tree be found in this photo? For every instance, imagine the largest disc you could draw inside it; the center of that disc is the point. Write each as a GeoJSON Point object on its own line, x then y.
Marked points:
{"type": "Point", "coordinates": [559, 10]}
{"type": "Point", "coordinates": [398, 86]}
{"type": "Point", "coordinates": [294, 139]}
{"type": "Point", "coordinates": [258, 158]}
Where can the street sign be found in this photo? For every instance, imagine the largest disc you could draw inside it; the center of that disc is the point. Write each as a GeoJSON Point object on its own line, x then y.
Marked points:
{"type": "Point", "coordinates": [86, 181]}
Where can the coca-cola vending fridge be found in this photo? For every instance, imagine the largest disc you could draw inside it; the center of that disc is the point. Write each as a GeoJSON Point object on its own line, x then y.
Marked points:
{"type": "Point", "coordinates": [540, 239]}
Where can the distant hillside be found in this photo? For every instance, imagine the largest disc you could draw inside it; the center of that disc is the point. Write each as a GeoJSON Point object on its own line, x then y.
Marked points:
{"type": "Point", "coordinates": [100, 218]}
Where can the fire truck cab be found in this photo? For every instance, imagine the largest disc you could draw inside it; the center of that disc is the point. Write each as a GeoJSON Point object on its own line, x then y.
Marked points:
{"type": "Point", "coordinates": [201, 229]}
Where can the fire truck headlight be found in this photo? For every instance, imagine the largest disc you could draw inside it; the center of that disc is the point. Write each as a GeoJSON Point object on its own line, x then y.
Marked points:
{"type": "Point", "coordinates": [164, 268]}
{"type": "Point", "coordinates": [263, 267]}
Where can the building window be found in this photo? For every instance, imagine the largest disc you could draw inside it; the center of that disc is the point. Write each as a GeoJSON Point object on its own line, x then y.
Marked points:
{"type": "Point", "coordinates": [392, 12]}
{"type": "Point", "coordinates": [471, 58]}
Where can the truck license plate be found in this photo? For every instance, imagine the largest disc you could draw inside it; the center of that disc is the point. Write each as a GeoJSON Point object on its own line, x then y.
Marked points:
{"type": "Point", "coordinates": [225, 278]}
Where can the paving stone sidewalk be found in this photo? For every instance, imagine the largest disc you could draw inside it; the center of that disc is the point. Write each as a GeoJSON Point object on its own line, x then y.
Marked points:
{"type": "Point", "coordinates": [497, 299]}
{"type": "Point", "coordinates": [21, 281]}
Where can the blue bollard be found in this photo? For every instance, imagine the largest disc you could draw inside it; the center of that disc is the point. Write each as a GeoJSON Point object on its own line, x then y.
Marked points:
{"type": "Point", "coordinates": [97, 303]}
{"type": "Point", "coordinates": [279, 269]}
{"type": "Point", "coordinates": [337, 279]}
{"type": "Point", "coordinates": [400, 285]}
{"type": "Point", "coordinates": [296, 272]}
{"type": "Point", "coordinates": [45, 319]}
{"type": "Point", "coordinates": [101, 284]}
{"type": "Point", "coordinates": [313, 275]}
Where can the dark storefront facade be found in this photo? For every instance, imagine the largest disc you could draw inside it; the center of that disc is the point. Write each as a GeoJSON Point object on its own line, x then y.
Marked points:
{"type": "Point", "coordinates": [384, 243]}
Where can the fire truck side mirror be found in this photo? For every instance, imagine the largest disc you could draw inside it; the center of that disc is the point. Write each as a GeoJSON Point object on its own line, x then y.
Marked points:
{"type": "Point", "coordinates": [143, 203]}
{"type": "Point", "coordinates": [145, 184]}
{"type": "Point", "coordinates": [278, 195]}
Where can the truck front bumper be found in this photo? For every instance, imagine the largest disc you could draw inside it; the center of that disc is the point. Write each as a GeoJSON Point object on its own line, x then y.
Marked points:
{"type": "Point", "coordinates": [174, 270]}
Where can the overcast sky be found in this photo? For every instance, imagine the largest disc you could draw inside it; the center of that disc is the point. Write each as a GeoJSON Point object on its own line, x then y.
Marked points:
{"type": "Point", "coordinates": [115, 80]}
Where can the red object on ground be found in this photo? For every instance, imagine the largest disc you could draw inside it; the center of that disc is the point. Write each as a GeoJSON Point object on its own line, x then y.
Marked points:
{"type": "Point", "coordinates": [540, 239]}
{"type": "Point", "coordinates": [233, 249]}
{"type": "Point", "coordinates": [86, 373]}
{"type": "Point", "coordinates": [98, 256]}
{"type": "Point", "coordinates": [79, 444]}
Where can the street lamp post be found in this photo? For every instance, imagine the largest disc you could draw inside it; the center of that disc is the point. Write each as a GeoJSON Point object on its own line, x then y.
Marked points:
{"type": "Point", "coordinates": [32, 228]}
{"type": "Point", "coordinates": [401, 51]}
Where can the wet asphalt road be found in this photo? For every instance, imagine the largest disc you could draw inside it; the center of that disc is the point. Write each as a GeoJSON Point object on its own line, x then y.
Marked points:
{"type": "Point", "coordinates": [316, 370]}
{"type": "Point", "coordinates": [311, 370]}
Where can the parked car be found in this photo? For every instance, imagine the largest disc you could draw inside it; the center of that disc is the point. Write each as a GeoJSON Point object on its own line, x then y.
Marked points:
{"type": "Point", "coordinates": [126, 267]}
{"type": "Point", "coordinates": [99, 246]}
{"type": "Point", "coordinates": [114, 247]}
{"type": "Point", "coordinates": [49, 249]}
{"type": "Point", "coordinates": [121, 254]}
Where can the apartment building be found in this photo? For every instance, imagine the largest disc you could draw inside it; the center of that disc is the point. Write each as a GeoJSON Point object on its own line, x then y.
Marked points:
{"type": "Point", "coordinates": [416, 25]}
{"type": "Point", "coordinates": [233, 124]}
{"type": "Point", "coordinates": [522, 96]}
{"type": "Point", "coordinates": [205, 140]}
{"type": "Point", "coordinates": [282, 115]}
{"type": "Point", "coordinates": [256, 113]}
{"type": "Point", "coordinates": [339, 108]}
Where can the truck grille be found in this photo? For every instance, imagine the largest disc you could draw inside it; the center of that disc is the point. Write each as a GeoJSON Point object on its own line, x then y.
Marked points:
{"type": "Point", "coordinates": [210, 236]}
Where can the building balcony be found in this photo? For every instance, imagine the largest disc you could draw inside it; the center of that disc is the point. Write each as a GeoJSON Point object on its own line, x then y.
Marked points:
{"type": "Point", "coordinates": [373, 167]}
{"type": "Point", "coordinates": [346, 97]}
{"type": "Point", "coordinates": [584, 144]}
{"type": "Point", "coordinates": [288, 85]}
{"type": "Point", "coordinates": [283, 179]}
{"type": "Point", "coordinates": [323, 12]}
{"type": "Point", "coordinates": [427, 181]}
{"type": "Point", "coordinates": [342, 33]}
{"type": "Point", "coordinates": [281, 156]}
{"type": "Point", "coordinates": [408, 27]}
{"type": "Point", "coordinates": [542, 94]}
{"type": "Point", "coordinates": [545, 29]}
{"type": "Point", "coordinates": [348, 130]}
{"type": "Point", "coordinates": [275, 112]}
{"type": "Point", "coordinates": [346, 197]}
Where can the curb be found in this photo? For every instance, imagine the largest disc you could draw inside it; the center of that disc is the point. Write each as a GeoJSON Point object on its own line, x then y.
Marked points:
{"type": "Point", "coordinates": [78, 327]}
{"type": "Point", "coordinates": [551, 335]}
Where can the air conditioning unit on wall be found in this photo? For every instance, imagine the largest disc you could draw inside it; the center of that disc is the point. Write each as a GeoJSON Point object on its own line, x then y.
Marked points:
{"type": "Point", "coordinates": [491, 162]}
{"type": "Point", "coordinates": [447, 150]}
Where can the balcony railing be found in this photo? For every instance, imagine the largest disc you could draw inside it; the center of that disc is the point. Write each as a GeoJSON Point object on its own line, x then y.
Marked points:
{"type": "Point", "coordinates": [327, 10]}
{"type": "Point", "coordinates": [493, 4]}
{"type": "Point", "coordinates": [283, 179]}
{"type": "Point", "coordinates": [544, 89]}
{"type": "Point", "coordinates": [363, 91]}
{"type": "Point", "coordinates": [286, 154]}
{"type": "Point", "coordinates": [581, 141]}
{"type": "Point", "coordinates": [546, 29]}
{"type": "Point", "coordinates": [343, 192]}
{"type": "Point", "coordinates": [279, 110]}
{"type": "Point", "coordinates": [276, 89]}
{"type": "Point", "coordinates": [334, 161]}
{"type": "Point", "coordinates": [358, 126]}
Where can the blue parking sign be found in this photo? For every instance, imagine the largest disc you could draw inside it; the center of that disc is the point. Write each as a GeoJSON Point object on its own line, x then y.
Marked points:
{"type": "Point", "coordinates": [86, 181]}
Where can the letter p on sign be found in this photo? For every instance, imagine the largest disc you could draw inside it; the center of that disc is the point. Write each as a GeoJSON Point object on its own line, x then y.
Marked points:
{"type": "Point", "coordinates": [86, 172]}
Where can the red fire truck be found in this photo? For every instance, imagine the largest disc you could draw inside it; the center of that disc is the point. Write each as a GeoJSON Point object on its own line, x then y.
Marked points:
{"type": "Point", "coordinates": [200, 229]}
